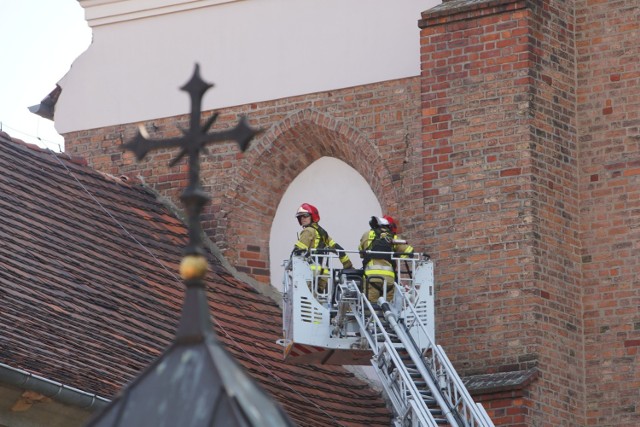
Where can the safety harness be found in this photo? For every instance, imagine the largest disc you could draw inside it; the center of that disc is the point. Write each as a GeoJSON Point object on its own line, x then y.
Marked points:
{"type": "Point", "coordinates": [323, 236]}
{"type": "Point", "coordinates": [323, 244]}
{"type": "Point", "coordinates": [381, 241]}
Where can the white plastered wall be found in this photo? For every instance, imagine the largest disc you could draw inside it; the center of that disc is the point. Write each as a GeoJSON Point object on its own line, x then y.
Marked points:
{"type": "Point", "coordinates": [252, 50]}
{"type": "Point", "coordinates": [344, 199]}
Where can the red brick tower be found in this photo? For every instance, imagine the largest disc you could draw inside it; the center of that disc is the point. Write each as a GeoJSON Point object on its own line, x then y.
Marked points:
{"type": "Point", "coordinates": [530, 133]}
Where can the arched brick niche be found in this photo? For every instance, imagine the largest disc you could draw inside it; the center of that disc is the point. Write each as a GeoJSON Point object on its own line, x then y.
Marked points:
{"type": "Point", "coordinates": [375, 129]}
{"type": "Point", "coordinates": [275, 160]}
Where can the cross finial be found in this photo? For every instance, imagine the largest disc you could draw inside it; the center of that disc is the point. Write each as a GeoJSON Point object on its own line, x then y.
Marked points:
{"type": "Point", "coordinates": [192, 142]}
{"type": "Point", "coordinates": [195, 382]}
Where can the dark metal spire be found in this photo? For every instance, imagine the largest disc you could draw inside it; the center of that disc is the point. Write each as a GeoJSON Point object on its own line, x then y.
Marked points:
{"type": "Point", "coordinates": [195, 382]}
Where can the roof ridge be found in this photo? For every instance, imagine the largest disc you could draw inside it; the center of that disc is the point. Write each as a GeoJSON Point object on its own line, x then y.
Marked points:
{"type": "Point", "coordinates": [76, 160]}
{"type": "Point", "coordinates": [79, 160]}
{"type": "Point", "coordinates": [18, 141]}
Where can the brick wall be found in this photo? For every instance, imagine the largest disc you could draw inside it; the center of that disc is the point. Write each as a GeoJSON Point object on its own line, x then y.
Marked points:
{"type": "Point", "coordinates": [558, 317]}
{"type": "Point", "coordinates": [500, 169]}
{"type": "Point", "coordinates": [514, 160]}
{"type": "Point", "coordinates": [608, 48]}
{"type": "Point", "coordinates": [507, 408]}
{"type": "Point", "coordinates": [373, 128]}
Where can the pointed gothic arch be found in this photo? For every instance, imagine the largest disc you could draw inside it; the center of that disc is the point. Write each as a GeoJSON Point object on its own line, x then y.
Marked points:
{"type": "Point", "coordinates": [344, 217]}
{"type": "Point", "coordinates": [277, 158]}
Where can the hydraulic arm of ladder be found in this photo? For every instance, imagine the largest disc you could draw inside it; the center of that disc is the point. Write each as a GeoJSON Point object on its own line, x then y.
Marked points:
{"type": "Point", "coordinates": [419, 379]}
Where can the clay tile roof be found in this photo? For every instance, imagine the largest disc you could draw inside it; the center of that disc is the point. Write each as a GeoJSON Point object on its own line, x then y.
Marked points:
{"type": "Point", "coordinates": [90, 294]}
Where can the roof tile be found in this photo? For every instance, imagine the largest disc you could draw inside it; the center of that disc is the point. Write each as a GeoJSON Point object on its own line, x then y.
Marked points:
{"type": "Point", "coordinates": [90, 294]}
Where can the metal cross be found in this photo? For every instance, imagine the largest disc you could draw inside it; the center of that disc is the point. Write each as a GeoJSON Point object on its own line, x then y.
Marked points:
{"type": "Point", "coordinates": [193, 141]}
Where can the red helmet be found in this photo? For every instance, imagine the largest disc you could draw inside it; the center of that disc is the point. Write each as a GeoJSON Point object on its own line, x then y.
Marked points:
{"type": "Point", "coordinates": [393, 225]}
{"type": "Point", "coordinates": [306, 208]}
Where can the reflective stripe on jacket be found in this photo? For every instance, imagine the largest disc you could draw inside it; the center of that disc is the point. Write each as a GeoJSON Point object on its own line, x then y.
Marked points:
{"type": "Point", "coordinates": [312, 238]}
{"type": "Point", "coordinates": [377, 266]}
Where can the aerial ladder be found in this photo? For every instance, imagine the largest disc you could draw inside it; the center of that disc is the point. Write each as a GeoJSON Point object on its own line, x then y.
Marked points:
{"type": "Point", "coordinates": [327, 319]}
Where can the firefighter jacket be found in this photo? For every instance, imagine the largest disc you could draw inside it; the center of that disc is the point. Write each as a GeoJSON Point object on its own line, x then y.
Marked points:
{"type": "Point", "coordinates": [381, 240]}
{"type": "Point", "coordinates": [315, 237]}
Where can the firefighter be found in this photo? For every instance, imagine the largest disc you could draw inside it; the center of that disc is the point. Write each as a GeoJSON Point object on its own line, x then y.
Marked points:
{"type": "Point", "coordinates": [379, 271]}
{"type": "Point", "coordinates": [315, 237]}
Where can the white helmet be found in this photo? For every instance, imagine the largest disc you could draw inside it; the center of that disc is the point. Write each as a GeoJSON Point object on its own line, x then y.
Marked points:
{"type": "Point", "coordinates": [377, 222]}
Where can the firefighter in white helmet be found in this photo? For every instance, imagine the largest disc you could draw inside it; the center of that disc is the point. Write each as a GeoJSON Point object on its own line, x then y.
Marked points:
{"type": "Point", "coordinates": [379, 271]}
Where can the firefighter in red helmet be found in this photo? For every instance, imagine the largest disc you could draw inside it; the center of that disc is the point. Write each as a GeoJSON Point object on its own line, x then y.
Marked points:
{"type": "Point", "coordinates": [315, 237]}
